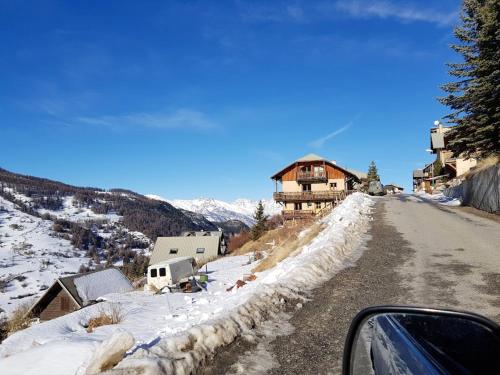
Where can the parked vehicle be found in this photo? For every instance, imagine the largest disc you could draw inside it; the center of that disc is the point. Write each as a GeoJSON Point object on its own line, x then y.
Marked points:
{"type": "Point", "coordinates": [375, 188]}
{"type": "Point", "coordinates": [410, 340]}
{"type": "Point", "coordinates": [171, 272]}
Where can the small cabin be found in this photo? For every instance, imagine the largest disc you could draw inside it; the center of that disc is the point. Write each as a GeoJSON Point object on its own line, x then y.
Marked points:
{"type": "Point", "coordinates": [71, 293]}
{"type": "Point", "coordinates": [171, 272]}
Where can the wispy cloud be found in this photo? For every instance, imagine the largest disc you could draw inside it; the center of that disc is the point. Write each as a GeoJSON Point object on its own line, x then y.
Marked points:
{"type": "Point", "coordinates": [179, 119]}
{"type": "Point", "coordinates": [386, 9]}
{"type": "Point", "coordinates": [318, 143]}
{"type": "Point", "coordinates": [272, 12]}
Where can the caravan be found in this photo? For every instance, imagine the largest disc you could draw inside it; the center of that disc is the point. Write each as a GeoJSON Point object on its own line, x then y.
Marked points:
{"type": "Point", "coordinates": [171, 272]}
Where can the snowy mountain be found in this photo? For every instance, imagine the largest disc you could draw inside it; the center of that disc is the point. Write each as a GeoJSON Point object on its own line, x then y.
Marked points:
{"type": "Point", "coordinates": [220, 211]}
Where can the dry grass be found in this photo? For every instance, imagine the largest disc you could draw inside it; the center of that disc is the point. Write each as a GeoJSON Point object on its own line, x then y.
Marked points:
{"type": "Point", "coordinates": [287, 247]}
{"type": "Point", "coordinates": [113, 315]}
{"type": "Point", "coordinates": [204, 261]}
{"type": "Point", "coordinates": [484, 164]}
{"type": "Point", "coordinates": [20, 319]}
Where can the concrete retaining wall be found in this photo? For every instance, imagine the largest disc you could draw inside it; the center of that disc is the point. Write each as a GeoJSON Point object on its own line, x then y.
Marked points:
{"type": "Point", "coordinates": [481, 190]}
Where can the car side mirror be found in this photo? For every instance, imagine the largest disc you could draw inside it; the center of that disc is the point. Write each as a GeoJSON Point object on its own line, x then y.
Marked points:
{"type": "Point", "coordinates": [411, 340]}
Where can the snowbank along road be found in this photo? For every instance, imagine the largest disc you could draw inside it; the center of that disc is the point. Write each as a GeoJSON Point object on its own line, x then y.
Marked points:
{"type": "Point", "coordinates": [419, 253]}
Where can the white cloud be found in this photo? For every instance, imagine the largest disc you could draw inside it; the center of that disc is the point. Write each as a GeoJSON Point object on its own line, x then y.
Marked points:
{"type": "Point", "coordinates": [318, 143]}
{"type": "Point", "coordinates": [179, 119]}
{"type": "Point", "coordinates": [387, 9]}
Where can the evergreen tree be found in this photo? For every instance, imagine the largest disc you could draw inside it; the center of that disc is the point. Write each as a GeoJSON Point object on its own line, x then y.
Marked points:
{"type": "Point", "coordinates": [260, 222]}
{"type": "Point", "coordinates": [438, 168]}
{"type": "Point", "coordinates": [372, 172]}
{"type": "Point", "coordinates": [475, 97]}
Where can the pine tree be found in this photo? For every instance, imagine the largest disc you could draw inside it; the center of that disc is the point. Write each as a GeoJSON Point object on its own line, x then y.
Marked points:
{"type": "Point", "coordinates": [475, 97]}
{"type": "Point", "coordinates": [437, 168]}
{"type": "Point", "coordinates": [372, 172]}
{"type": "Point", "coordinates": [260, 222]}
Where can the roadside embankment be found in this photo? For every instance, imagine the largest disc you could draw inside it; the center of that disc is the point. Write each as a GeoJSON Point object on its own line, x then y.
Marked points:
{"type": "Point", "coordinates": [480, 190]}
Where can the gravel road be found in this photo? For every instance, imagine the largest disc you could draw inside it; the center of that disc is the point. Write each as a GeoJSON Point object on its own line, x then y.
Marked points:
{"type": "Point", "coordinates": [419, 253]}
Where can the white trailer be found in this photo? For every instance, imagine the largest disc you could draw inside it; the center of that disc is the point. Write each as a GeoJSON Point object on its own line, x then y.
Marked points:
{"type": "Point", "coordinates": [170, 272]}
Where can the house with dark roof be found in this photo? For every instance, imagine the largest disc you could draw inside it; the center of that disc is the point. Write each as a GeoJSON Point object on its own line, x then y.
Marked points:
{"type": "Point", "coordinates": [312, 185]}
{"type": "Point", "coordinates": [71, 293]}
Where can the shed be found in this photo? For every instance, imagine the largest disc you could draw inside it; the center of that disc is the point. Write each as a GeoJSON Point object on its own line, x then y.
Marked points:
{"type": "Point", "coordinates": [201, 248]}
{"type": "Point", "coordinates": [71, 293]}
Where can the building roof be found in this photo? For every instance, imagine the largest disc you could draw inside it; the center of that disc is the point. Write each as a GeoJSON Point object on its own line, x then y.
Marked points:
{"type": "Point", "coordinates": [314, 157]}
{"type": "Point", "coordinates": [394, 185]}
{"type": "Point", "coordinates": [418, 173]}
{"type": "Point", "coordinates": [215, 233]}
{"type": "Point", "coordinates": [186, 247]}
{"type": "Point", "coordinates": [359, 174]}
{"type": "Point", "coordinates": [311, 157]}
{"type": "Point", "coordinates": [437, 140]}
{"type": "Point", "coordinates": [171, 261]}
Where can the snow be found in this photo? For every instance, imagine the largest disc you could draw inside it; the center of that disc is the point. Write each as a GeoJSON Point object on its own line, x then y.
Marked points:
{"type": "Point", "coordinates": [31, 256]}
{"type": "Point", "coordinates": [175, 332]}
{"type": "Point", "coordinates": [220, 211]}
{"type": "Point", "coordinates": [94, 285]}
{"type": "Point", "coordinates": [439, 198]}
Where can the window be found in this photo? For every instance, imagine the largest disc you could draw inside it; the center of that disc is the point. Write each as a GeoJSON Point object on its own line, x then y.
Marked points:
{"type": "Point", "coordinates": [318, 205]}
{"type": "Point", "coordinates": [333, 185]}
{"type": "Point", "coordinates": [154, 272]}
{"type": "Point", "coordinates": [297, 206]}
{"type": "Point", "coordinates": [174, 251]}
{"type": "Point", "coordinates": [306, 187]}
{"type": "Point", "coordinates": [163, 272]}
{"type": "Point", "coordinates": [319, 171]}
{"type": "Point", "coordinates": [200, 250]}
{"type": "Point", "coordinates": [309, 204]}
{"type": "Point", "coordinates": [64, 303]}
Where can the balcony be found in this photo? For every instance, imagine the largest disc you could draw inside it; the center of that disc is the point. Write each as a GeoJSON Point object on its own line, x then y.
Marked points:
{"type": "Point", "coordinates": [308, 176]}
{"type": "Point", "coordinates": [309, 196]}
{"type": "Point", "coordinates": [298, 214]}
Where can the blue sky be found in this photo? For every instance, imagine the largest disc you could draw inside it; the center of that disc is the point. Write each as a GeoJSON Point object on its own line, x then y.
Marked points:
{"type": "Point", "coordinates": [210, 98]}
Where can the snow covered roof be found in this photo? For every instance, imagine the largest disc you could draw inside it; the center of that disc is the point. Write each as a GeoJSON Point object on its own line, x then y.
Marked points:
{"type": "Point", "coordinates": [216, 233]}
{"type": "Point", "coordinates": [185, 246]}
{"type": "Point", "coordinates": [310, 157]}
{"type": "Point", "coordinates": [359, 174]}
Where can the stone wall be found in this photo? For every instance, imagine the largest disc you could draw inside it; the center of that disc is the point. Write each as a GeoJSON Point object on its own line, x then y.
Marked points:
{"type": "Point", "coordinates": [480, 190]}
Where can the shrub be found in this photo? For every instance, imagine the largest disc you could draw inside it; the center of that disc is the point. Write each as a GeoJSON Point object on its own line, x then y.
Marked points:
{"type": "Point", "coordinates": [20, 319]}
{"type": "Point", "coordinates": [112, 315]}
{"type": "Point", "coordinates": [238, 241]}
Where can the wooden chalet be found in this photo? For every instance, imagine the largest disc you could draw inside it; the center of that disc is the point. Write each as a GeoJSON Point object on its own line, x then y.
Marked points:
{"type": "Point", "coordinates": [312, 185]}
{"type": "Point", "coordinates": [71, 293]}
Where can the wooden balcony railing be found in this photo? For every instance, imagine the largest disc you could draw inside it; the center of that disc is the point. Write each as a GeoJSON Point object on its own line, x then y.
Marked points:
{"type": "Point", "coordinates": [309, 196]}
{"type": "Point", "coordinates": [298, 214]}
{"type": "Point", "coordinates": [315, 176]}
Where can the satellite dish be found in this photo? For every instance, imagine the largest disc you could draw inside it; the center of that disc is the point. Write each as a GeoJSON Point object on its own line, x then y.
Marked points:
{"type": "Point", "coordinates": [436, 123]}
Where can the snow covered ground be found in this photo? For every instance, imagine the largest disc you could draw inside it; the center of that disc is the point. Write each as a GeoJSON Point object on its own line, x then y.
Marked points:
{"type": "Point", "coordinates": [31, 256]}
{"type": "Point", "coordinates": [439, 198]}
{"type": "Point", "coordinates": [175, 332]}
{"type": "Point", "coordinates": [219, 211]}
{"type": "Point", "coordinates": [72, 212]}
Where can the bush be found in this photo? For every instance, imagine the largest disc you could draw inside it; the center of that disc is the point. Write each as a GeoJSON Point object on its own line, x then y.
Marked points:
{"type": "Point", "coordinates": [20, 318]}
{"type": "Point", "coordinates": [238, 241]}
{"type": "Point", "coordinates": [112, 315]}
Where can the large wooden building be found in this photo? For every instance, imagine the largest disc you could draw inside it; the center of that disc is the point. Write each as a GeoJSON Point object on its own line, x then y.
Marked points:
{"type": "Point", "coordinates": [312, 185]}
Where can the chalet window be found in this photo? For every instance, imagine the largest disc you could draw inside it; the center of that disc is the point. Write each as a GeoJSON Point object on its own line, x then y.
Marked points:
{"type": "Point", "coordinates": [163, 272]}
{"type": "Point", "coordinates": [297, 206]}
{"type": "Point", "coordinates": [318, 204]}
{"type": "Point", "coordinates": [174, 251]}
{"type": "Point", "coordinates": [306, 168]}
{"type": "Point", "coordinates": [154, 272]}
{"type": "Point", "coordinates": [200, 250]}
{"type": "Point", "coordinates": [306, 187]}
{"type": "Point", "coordinates": [309, 204]}
{"type": "Point", "coordinates": [64, 303]}
{"type": "Point", "coordinates": [333, 185]}
{"type": "Point", "coordinates": [319, 170]}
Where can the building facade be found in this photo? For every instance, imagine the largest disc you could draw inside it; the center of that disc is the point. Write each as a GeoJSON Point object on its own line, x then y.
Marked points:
{"type": "Point", "coordinates": [311, 185]}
